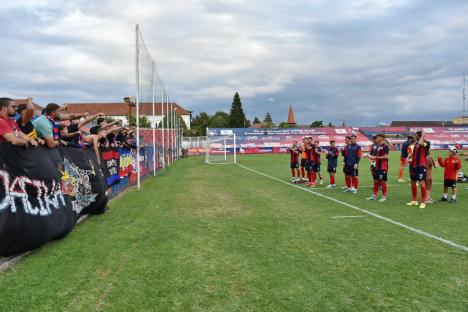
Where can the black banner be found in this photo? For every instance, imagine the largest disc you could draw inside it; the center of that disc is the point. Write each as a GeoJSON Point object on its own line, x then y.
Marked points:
{"type": "Point", "coordinates": [43, 192]}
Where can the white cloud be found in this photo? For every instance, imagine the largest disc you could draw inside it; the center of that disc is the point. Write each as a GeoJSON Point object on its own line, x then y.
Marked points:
{"type": "Point", "coordinates": [323, 57]}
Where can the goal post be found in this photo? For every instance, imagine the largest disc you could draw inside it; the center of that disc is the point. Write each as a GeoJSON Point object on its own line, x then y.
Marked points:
{"type": "Point", "coordinates": [221, 149]}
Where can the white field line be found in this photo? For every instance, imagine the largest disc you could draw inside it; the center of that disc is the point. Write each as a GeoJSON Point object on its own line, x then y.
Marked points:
{"type": "Point", "coordinates": [341, 217]}
{"type": "Point", "coordinates": [375, 215]}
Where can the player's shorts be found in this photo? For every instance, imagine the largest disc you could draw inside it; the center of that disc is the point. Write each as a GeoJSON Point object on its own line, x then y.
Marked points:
{"type": "Point", "coordinates": [350, 171]}
{"type": "Point", "coordinates": [295, 165]}
{"type": "Point", "coordinates": [418, 174]}
{"type": "Point", "coordinates": [317, 167]}
{"type": "Point", "coordinates": [380, 175]}
{"type": "Point", "coordinates": [303, 162]}
{"type": "Point", "coordinates": [450, 183]}
{"type": "Point", "coordinates": [309, 166]}
{"type": "Point", "coordinates": [331, 169]}
{"type": "Point", "coordinates": [402, 161]}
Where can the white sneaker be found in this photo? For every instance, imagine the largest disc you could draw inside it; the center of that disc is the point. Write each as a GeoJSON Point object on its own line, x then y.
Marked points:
{"type": "Point", "coordinates": [373, 197]}
{"type": "Point", "coordinates": [401, 180]}
{"type": "Point", "coordinates": [329, 186]}
{"type": "Point", "coordinates": [333, 186]}
{"type": "Point", "coordinates": [346, 190]}
{"type": "Point", "coordinates": [321, 182]}
{"type": "Point", "coordinates": [353, 190]}
{"type": "Point", "coordinates": [382, 199]}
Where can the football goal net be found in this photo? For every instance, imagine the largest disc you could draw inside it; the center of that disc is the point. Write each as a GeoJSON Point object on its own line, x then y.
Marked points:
{"type": "Point", "coordinates": [221, 149]}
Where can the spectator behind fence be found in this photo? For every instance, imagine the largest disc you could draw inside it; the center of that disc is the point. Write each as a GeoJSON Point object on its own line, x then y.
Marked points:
{"type": "Point", "coordinates": [102, 124]}
{"type": "Point", "coordinates": [26, 113]}
{"type": "Point", "coordinates": [9, 130]}
{"type": "Point", "coordinates": [47, 126]}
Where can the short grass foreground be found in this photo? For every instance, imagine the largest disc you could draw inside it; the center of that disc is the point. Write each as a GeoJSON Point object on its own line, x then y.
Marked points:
{"type": "Point", "coordinates": [223, 238]}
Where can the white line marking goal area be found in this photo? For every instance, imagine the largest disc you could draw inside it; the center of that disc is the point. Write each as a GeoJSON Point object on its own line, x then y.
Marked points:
{"type": "Point", "coordinates": [375, 215]}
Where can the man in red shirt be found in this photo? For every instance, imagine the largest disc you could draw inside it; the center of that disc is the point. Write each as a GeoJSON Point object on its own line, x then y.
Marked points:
{"type": "Point", "coordinates": [418, 166]}
{"type": "Point", "coordinates": [9, 130]}
{"type": "Point", "coordinates": [380, 170]}
{"type": "Point", "coordinates": [451, 164]}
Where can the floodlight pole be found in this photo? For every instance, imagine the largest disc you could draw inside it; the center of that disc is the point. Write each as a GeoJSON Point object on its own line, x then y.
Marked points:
{"type": "Point", "coordinates": [153, 124]}
{"type": "Point", "coordinates": [167, 125]}
{"type": "Point", "coordinates": [162, 122]}
{"type": "Point", "coordinates": [137, 104]}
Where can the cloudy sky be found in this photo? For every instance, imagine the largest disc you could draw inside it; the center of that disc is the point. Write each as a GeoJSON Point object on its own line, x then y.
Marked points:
{"type": "Point", "coordinates": [363, 61]}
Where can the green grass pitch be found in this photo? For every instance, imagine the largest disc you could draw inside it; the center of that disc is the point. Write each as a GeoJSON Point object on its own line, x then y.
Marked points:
{"type": "Point", "coordinates": [222, 238]}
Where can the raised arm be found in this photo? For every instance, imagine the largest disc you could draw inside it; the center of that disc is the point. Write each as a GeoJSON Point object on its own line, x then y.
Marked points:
{"type": "Point", "coordinates": [88, 119]}
{"type": "Point", "coordinates": [29, 112]}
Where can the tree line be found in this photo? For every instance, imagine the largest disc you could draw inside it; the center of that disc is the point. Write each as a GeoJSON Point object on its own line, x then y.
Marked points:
{"type": "Point", "coordinates": [236, 119]}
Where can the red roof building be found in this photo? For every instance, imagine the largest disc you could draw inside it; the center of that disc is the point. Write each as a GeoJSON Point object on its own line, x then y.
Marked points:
{"type": "Point", "coordinates": [122, 110]}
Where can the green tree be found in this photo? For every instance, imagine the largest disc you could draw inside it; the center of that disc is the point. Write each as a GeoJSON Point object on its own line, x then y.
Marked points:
{"type": "Point", "coordinates": [144, 122]}
{"type": "Point", "coordinates": [237, 116]}
{"type": "Point", "coordinates": [317, 124]}
{"type": "Point", "coordinates": [168, 123]}
{"type": "Point", "coordinates": [219, 120]}
{"type": "Point", "coordinates": [256, 120]}
{"type": "Point", "coordinates": [200, 123]}
{"type": "Point", "coordinates": [286, 125]}
{"type": "Point", "coordinates": [331, 125]}
{"type": "Point", "coordinates": [268, 121]}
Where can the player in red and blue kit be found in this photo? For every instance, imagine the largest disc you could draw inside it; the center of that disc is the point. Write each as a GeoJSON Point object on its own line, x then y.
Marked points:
{"type": "Point", "coordinates": [418, 166]}
{"type": "Point", "coordinates": [318, 151]}
{"type": "Point", "coordinates": [332, 156]}
{"type": "Point", "coordinates": [343, 153]}
{"type": "Point", "coordinates": [294, 153]}
{"type": "Point", "coordinates": [379, 157]}
{"type": "Point", "coordinates": [352, 157]}
{"type": "Point", "coordinates": [310, 162]}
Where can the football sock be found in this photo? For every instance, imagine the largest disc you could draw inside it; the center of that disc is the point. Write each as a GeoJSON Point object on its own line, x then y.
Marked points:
{"type": "Point", "coordinates": [423, 193]}
{"type": "Point", "coordinates": [384, 188]}
{"type": "Point", "coordinates": [414, 191]}
{"type": "Point", "coordinates": [376, 188]}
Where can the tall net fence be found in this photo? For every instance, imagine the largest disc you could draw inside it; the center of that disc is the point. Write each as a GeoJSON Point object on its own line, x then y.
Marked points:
{"type": "Point", "coordinates": [160, 144]}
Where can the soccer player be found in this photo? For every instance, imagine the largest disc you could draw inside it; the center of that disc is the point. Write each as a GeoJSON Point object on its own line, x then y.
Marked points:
{"type": "Point", "coordinates": [332, 156]}
{"type": "Point", "coordinates": [451, 164]}
{"type": "Point", "coordinates": [343, 153]}
{"type": "Point", "coordinates": [379, 155]}
{"type": "Point", "coordinates": [418, 166]}
{"type": "Point", "coordinates": [353, 156]}
{"type": "Point", "coordinates": [406, 148]}
{"type": "Point", "coordinates": [310, 162]}
{"type": "Point", "coordinates": [294, 153]}
{"type": "Point", "coordinates": [318, 151]}
{"type": "Point", "coordinates": [303, 159]}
